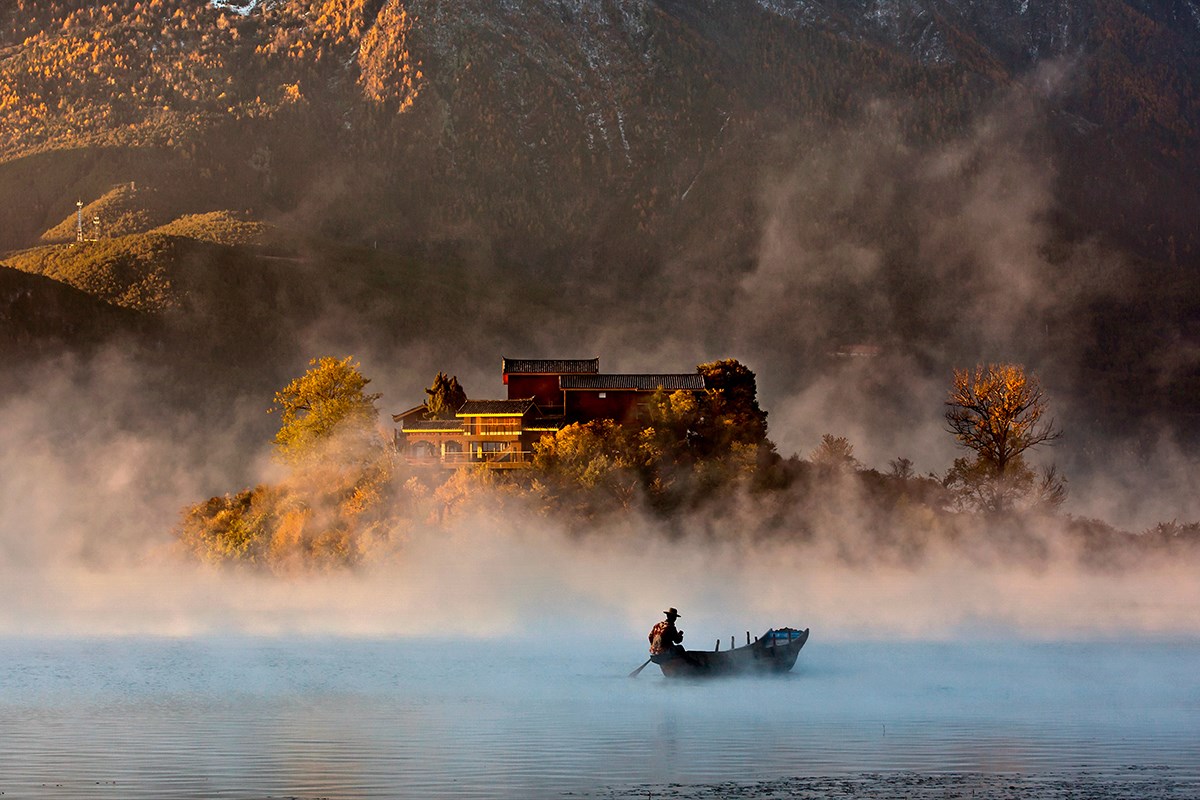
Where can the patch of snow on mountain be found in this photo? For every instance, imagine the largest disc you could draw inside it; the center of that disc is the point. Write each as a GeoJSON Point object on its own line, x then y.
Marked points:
{"type": "Point", "coordinates": [885, 14]}
{"type": "Point", "coordinates": [931, 46]}
{"type": "Point", "coordinates": [791, 9]}
{"type": "Point", "coordinates": [242, 7]}
{"type": "Point", "coordinates": [799, 10]}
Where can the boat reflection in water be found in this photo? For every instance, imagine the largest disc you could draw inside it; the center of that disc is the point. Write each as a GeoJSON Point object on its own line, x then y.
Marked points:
{"type": "Point", "coordinates": [774, 652]}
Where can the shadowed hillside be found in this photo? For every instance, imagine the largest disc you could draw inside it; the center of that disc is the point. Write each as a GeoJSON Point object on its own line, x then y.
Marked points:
{"type": "Point", "coordinates": [942, 179]}
{"type": "Point", "coordinates": [42, 317]}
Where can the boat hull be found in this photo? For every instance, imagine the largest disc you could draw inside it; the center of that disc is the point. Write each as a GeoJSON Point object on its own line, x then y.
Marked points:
{"type": "Point", "coordinates": [774, 653]}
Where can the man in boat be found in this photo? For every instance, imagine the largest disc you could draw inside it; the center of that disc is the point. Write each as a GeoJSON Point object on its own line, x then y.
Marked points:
{"type": "Point", "coordinates": [665, 637]}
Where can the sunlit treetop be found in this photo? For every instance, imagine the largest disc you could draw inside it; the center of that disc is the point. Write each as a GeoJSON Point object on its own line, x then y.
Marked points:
{"type": "Point", "coordinates": [329, 398]}
{"type": "Point", "coordinates": [997, 410]}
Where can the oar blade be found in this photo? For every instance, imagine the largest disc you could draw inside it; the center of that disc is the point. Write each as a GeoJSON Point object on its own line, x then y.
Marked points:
{"type": "Point", "coordinates": [638, 671]}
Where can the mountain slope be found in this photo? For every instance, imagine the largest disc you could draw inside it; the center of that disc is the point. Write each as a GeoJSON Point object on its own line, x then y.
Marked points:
{"type": "Point", "coordinates": [40, 316]}
{"type": "Point", "coordinates": [952, 180]}
{"type": "Point", "coordinates": [548, 122]}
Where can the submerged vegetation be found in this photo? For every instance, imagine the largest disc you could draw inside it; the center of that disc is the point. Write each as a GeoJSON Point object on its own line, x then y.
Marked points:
{"type": "Point", "coordinates": [696, 465]}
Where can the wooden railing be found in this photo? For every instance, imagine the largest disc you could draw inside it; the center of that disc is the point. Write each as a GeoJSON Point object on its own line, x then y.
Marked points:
{"type": "Point", "coordinates": [499, 458]}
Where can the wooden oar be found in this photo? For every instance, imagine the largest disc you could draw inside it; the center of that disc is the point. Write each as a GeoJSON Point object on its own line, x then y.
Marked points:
{"type": "Point", "coordinates": [638, 671]}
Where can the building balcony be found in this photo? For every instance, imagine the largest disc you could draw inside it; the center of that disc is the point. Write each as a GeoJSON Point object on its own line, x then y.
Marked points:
{"type": "Point", "coordinates": [498, 459]}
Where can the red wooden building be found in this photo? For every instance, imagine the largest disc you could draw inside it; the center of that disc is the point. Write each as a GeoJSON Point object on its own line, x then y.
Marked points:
{"type": "Point", "coordinates": [617, 396]}
{"type": "Point", "coordinates": [543, 396]}
{"type": "Point", "coordinates": [539, 378]}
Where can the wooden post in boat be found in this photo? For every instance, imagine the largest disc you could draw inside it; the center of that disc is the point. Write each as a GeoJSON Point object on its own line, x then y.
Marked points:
{"type": "Point", "coordinates": [747, 637]}
{"type": "Point", "coordinates": [718, 645]}
{"type": "Point", "coordinates": [731, 643]}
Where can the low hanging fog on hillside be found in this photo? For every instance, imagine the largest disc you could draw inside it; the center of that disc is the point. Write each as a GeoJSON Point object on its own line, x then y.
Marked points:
{"type": "Point", "coordinates": [96, 472]}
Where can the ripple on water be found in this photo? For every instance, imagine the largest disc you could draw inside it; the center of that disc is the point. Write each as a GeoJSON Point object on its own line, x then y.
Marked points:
{"type": "Point", "coordinates": [166, 719]}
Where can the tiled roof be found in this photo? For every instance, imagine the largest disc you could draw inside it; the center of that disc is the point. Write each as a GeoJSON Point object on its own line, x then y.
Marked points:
{"type": "Point", "coordinates": [431, 425]}
{"type": "Point", "coordinates": [643, 383]}
{"type": "Point", "coordinates": [549, 366]}
{"type": "Point", "coordinates": [412, 412]}
{"type": "Point", "coordinates": [476, 408]}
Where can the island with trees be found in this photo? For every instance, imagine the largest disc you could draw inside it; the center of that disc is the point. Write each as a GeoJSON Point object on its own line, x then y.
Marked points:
{"type": "Point", "coordinates": [678, 454]}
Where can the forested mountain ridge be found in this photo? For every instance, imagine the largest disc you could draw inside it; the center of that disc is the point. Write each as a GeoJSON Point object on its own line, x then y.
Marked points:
{"type": "Point", "coordinates": [631, 153]}
{"type": "Point", "coordinates": [544, 121]}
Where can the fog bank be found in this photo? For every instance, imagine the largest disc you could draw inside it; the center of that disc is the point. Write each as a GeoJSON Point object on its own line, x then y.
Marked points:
{"type": "Point", "coordinates": [489, 578]}
{"type": "Point", "coordinates": [935, 258]}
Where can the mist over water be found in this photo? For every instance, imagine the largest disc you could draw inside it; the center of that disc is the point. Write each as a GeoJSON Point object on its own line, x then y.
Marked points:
{"type": "Point", "coordinates": [486, 655]}
{"type": "Point", "coordinates": [504, 578]}
{"type": "Point", "coordinates": [459, 717]}
{"type": "Point", "coordinates": [95, 477]}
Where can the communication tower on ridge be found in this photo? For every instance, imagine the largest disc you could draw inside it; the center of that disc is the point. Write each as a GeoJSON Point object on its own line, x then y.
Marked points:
{"type": "Point", "coordinates": [80, 236]}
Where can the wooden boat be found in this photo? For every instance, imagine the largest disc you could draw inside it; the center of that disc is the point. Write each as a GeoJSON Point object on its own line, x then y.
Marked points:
{"type": "Point", "coordinates": [774, 652]}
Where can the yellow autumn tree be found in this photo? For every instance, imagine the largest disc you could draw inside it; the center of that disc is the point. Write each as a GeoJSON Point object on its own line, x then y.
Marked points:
{"type": "Point", "coordinates": [389, 72]}
{"type": "Point", "coordinates": [594, 458]}
{"type": "Point", "coordinates": [998, 411]}
{"type": "Point", "coordinates": [326, 400]}
{"type": "Point", "coordinates": [336, 501]}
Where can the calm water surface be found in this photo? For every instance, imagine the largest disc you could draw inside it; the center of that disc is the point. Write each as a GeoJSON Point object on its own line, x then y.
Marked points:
{"type": "Point", "coordinates": [255, 718]}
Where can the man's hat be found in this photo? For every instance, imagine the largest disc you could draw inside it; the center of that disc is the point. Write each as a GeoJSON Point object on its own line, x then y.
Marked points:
{"type": "Point", "coordinates": [670, 612]}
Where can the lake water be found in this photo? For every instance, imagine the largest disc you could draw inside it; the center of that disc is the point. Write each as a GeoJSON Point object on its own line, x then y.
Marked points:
{"type": "Point", "coordinates": [329, 718]}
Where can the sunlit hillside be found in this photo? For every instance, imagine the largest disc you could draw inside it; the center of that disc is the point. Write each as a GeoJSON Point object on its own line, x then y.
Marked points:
{"type": "Point", "coordinates": [884, 167]}
{"type": "Point", "coordinates": [536, 124]}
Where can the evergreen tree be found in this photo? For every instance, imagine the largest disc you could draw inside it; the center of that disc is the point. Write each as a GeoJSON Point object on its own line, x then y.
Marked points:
{"type": "Point", "coordinates": [446, 397]}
